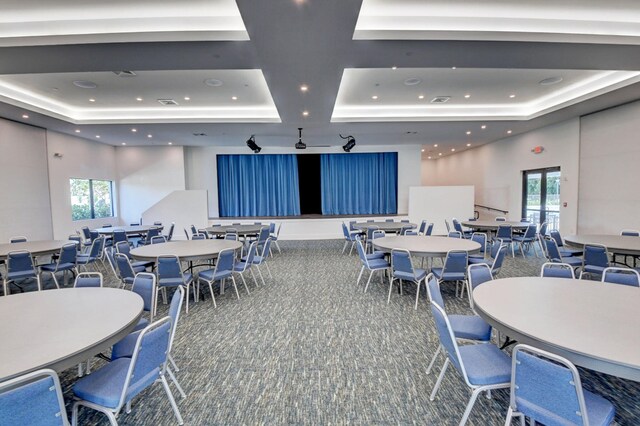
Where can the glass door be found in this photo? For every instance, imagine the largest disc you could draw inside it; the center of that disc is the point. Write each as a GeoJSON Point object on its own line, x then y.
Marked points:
{"type": "Point", "coordinates": [541, 196]}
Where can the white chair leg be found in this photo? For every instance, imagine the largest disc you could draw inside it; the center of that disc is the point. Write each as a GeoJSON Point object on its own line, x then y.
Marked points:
{"type": "Point", "coordinates": [268, 270]}
{"type": "Point", "coordinates": [360, 275]}
{"type": "Point", "coordinates": [235, 287]}
{"type": "Point", "coordinates": [260, 274]}
{"type": "Point", "coordinates": [171, 400]}
{"type": "Point", "coordinates": [417, 295]}
{"type": "Point", "coordinates": [366, 287]}
{"type": "Point", "coordinates": [173, 363]}
{"type": "Point", "coordinates": [433, 359]}
{"type": "Point", "coordinates": [345, 246]}
{"type": "Point", "coordinates": [470, 405]}
{"type": "Point", "coordinates": [507, 421]}
{"type": "Point", "coordinates": [440, 376]}
{"type": "Point", "coordinates": [175, 382]}
{"type": "Point", "coordinates": [245, 283]}
{"type": "Point", "coordinates": [254, 277]}
{"type": "Point", "coordinates": [277, 246]}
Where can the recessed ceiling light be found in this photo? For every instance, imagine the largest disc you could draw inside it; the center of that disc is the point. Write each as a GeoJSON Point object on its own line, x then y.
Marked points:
{"type": "Point", "coordinates": [134, 130]}
{"type": "Point", "coordinates": [305, 113]}
{"type": "Point", "coordinates": [453, 149]}
{"type": "Point", "coordinates": [435, 145]}
{"type": "Point", "coordinates": [213, 82]}
{"type": "Point", "coordinates": [423, 150]}
{"type": "Point", "coordinates": [439, 153]}
{"type": "Point", "coordinates": [149, 136]}
{"type": "Point", "coordinates": [170, 143]}
{"type": "Point", "coordinates": [484, 126]}
{"type": "Point", "coordinates": [91, 100]}
{"type": "Point", "coordinates": [25, 116]}
{"type": "Point", "coordinates": [551, 80]}
{"type": "Point", "coordinates": [124, 143]}
{"type": "Point", "coordinates": [421, 97]}
{"type": "Point", "coordinates": [84, 84]}
{"type": "Point", "coordinates": [467, 96]}
{"type": "Point", "coordinates": [139, 99]}
{"type": "Point", "coordinates": [97, 136]}
{"type": "Point", "coordinates": [509, 131]}
{"type": "Point", "coordinates": [429, 157]}
{"type": "Point", "coordinates": [512, 96]}
{"type": "Point", "coordinates": [468, 144]}
{"type": "Point", "coordinates": [374, 97]}
{"type": "Point", "coordinates": [468, 132]}
{"type": "Point", "coordinates": [304, 88]}
{"type": "Point", "coordinates": [412, 81]}
{"type": "Point", "coordinates": [186, 98]}
{"type": "Point", "coordinates": [234, 98]}
{"type": "Point", "coordinates": [77, 130]}
{"type": "Point", "coordinates": [394, 68]}
{"type": "Point", "coordinates": [453, 68]}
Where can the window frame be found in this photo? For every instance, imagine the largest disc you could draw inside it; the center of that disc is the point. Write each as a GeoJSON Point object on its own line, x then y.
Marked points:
{"type": "Point", "coordinates": [92, 198]}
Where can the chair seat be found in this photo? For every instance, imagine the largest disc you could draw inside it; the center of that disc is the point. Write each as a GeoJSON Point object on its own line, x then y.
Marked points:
{"type": "Point", "coordinates": [378, 264]}
{"type": "Point", "coordinates": [17, 275]}
{"type": "Point", "coordinates": [470, 327]}
{"type": "Point", "coordinates": [599, 410]}
{"type": "Point", "coordinates": [53, 267]}
{"type": "Point", "coordinates": [447, 276]}
{"type": "Point", "coordinates": [240, 267]}
{"type": "Point", "coordinates": [141, 266]}
{"type": "Point", "coordinates": [174, 282]}
{"type": "Point", "coordinates": [417, 276]}
{"type": "Point", "coordinates": [592, 269]}
{"type": "Point", "coordinates": [83, 259]}
{"type": "Point", "coordinates": [573, 261]}
{"type": "Point", "coordinates": [477, 260]}
{"type": "Point", "coordinates": [142, 323]}
{"type": "Point", "coordinates": [104, 386]}
{"type": "Point", "coordinates": [208, 275]}
{"type": "Point", "coordinates": [486, 364]}
{"type": "Point", "coordinates": [124, 348]}
{"type": "Point", "coordinates": [523, 239]}
{"type": "Point", "coordinates": [564, 251]}
{"type": "Point", "coordinates": [375, 255]}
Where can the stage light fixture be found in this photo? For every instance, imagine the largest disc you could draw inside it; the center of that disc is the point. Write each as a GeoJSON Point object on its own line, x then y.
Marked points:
{"type": "Point", "coordinates": [300, 144]}
{"type": "Point", "coordinates": [351, 142]}
{"type": "Point", "coordinates": [253, 146]}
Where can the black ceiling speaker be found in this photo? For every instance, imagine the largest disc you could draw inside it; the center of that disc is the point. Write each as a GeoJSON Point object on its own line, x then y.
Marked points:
{"type": "Point", "coordinates": [253, 146]}
{"type": "Point", "coordinates": [300, 144]}
{"type": "Point", "coordinates": [351, 142]}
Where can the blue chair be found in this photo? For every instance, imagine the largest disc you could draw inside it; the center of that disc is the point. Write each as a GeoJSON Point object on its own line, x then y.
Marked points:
{"type": "Point", "coordinates": [169, 235]}
{"type": "Point", "coordinates": [480, 238]}
{"type": "Point", "coordinates": [85, 259]}
{"type": "Point", "coordinates": [18, 239]}
{"type": "Point", "coordinates": [118, 236]}
{"type": "Point", "coordinates": [126, 272]}
{"type": "Point", "coordinates": [138, 266]}
{"type": "Point", "coordinates": [370, 230]}
{"type": "Point", "coordinates": [66, 262]}
{"type": "Point", "coordinates": [389, 220]}
{"type": "Point", "coordinates": [454, 269]}
{"type": "Point", "coordinates": [454, 234]}
{"type": "Point", "coordinates": [372, 265]}
{"type": "Point", "coordinates": [557, 270]}
{"type": "Point", "coordinates": [88, 279]}
{"type": "Point", "coordinates": [564, 250]}
{"type": "Point", "coordinates": [446, 222]}
{"type": "Point", "coordinates": [547, 388]}
{"type": "Point", "coordinates": [500, 219]}
{"type": "Point", "coordinates": [231, 236]}
{"type": "Point", "coordinates": [194, 230]}
{"type": "Point", "coordinates": [145, 286]}
{"type": "Point", "coordinates": [198, 237]}
{"type": "Point", "coordinates": [159, 239]}
{"type": "Point", "coordinates": [528, 240]}
{"type": "Point", "coordinates": [467, 328]}
{"type": "Point", "coordinates": [203, 231]}
{"type": "Point", "coordinates": [275, 235]}
{"type": "Point", "coordinates": [261, 259]}
{"type": "Point", "coordinates": [263, 235]}
{"type": "Point", "coordinates": [376, 254]}
{"type": "Point", "coordinates": [349, 237]}
{"type": "Point", "coordinates": [152, 232]}
{"type": "Point", "coordinates": [33, 399]}
{"type": "Point", "coordinates": [405, 229]}
{"type": "Point", "coordinates": [170, 274]}
{"type": "Point", "coordinates": [542, 231]}
{"type": "Point", "coordinates": [504, 234]}
{"type": "Point", "coordinates": [630, 233]}
{"type": "Point", "coordinates": [624, 276]}
{"type": "Point", "coordinates": [20, 267]}
{"type": "Point", "coordinates": [186, 234]}
{"type": "Point", "coordinates": [402, 270]}
{"type": "Point", "coordinates": [476, 275]}
{"type": "Point", "coordinates": [429, 230]}
{"type": "Point", "coordinates": [411, 232]}
{"type": "Point", "coordinates": [113, 386]}
{"type": "Point", "coordinates": [553, 254]}
{"type": "Point", "coordinates": [595, 260]}
{"type": "Point", "coordinates": [458, 227]}
{"type": "Point", "coordinates": [222, 271]}
{"type": "Point", "coordinates": [483, 367]}
{"type": "Point", "coordinates": [86, 236]}
{"type": "Point", "coordinates": [423, 227]}
{"type": "Point", "coordinates": [245, 265]}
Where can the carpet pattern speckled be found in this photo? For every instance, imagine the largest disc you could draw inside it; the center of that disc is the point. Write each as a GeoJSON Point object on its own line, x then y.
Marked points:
{"type": "Point", "coordinates": [310, 348]}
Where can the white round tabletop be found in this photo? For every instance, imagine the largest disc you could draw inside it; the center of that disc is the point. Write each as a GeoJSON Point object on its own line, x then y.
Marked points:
{"type": "Point", "coordinates": [250, 229]}
{"type": "Point", "coordinates": [425, 246]}
{"type": "Point", "coordinates": [132, 229]}
{"type": "Point", "coordinates": [36, 248]}
{"type": "Point", "coordinates": [614, 243]}
{"type": "Point", "coordinates": [185, 250]}
{"type": "Point", "coordinates": [594, 325]}
{"type": "Point", "coordinates": [60, 328]}
{"type": "Point", "coordinates": [384, 226]}
{"type": "Point", "coordinates": [492, 225]}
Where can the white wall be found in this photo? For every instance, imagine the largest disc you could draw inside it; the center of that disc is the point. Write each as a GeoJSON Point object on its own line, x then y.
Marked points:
{"type": "Point", "coordinates": [80, 159]}
{"type": "Point", "coordinates": [452, 201]}
{"type": "Point", "coordinates": [495, 169]}
{"type": "Point", "coordinates": [145, 176]}
{"type": "Point", "coordinates": [609, 171]}
{"type": "Point", "coordinates": [201, 168]}
{"type": "Point", "coordinates": [25, 207]}
{"type": "Point", "coordinates": [172, 209]}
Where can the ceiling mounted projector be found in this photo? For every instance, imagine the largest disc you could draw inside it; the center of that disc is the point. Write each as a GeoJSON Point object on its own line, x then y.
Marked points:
{"type": "Point", "coordinates": [351, 142]}
{"type": "Point", "coordinates": [300, 144]}
{"type": "Point", "coordinates": [253, 146]}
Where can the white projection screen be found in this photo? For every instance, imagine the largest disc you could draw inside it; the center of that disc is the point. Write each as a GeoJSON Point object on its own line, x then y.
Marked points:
{"type": "Point", "coordinates": [437, 203]}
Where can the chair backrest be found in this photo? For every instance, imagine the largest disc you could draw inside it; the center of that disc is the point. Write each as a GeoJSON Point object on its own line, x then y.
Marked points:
{"type": "Point", "coordinates": [134, 224]}
{"type": "Point", "coordinates": [525, 220]}
{"type": "Point", "coordinates": [351, 225]}
{"type": "Point", "coordinates": [152, 232]}
{"type": "Point", "coordinates": [429, 230]}
{"type": "Point", "coordinates": [86, 233]}
{"type": "Point", "coordinates": [266, 249]}
{"type": "Point", "coordinates": [378, 233]}
{"type": "Point", "coordinates": [543, 229]}
{"type": "Point", "coordinates": [546, 387]}
{"type": "Point", "coordinates": [94, 235]}
{"type": "Point", "coordinates": [155, 223]}
{"type": "Point", "coordinates": [410, 232]}
{"type": "Point", "coordinates": [495, 248]}
{"type": "Point", "coordinates": [111, 260]}
{"type": "Point", "coordinates": [77, 239]}
{"type": "Point", "coordinates": [345, 231]}
{"type": "Point", "coordinates": [33, 399]}
{"type": "Point", "coordinates": [630, 233]}
{"type": "Point", "coordinates": [174, 311]}
{"type": "Point", "coordinates": [478, 274]}
{"type": "Point", "coordinates": [97, 245]}
{"type": "Point", "coordinates": [530, 233]}
{"type": "Point", "coordinates": [447, 338]}
{"type": "Point", "coordinates": [194, 230]}
{"type": "Point", "coordinates": [401, 261]}
{"type": "Point", "coordinates": [171, 228]}
{"type": "Point", "coordinates": [107, 225]}
{"type": "Point", "coordinates": [388, 220]}
{"type": "Point", "coordinates": [370, 221]}
{"type": "Point", "coordinates": [455, 234]}
{"type": "Point", "coordinates": [404, 229]}
{"type": "Point", "coordinates": [457, 226]}
{"type": "Point", "coordinates": [555, 234]}
{"type": "Point", "coordinates": [624, 276]}
{"type": "Point", "coordinates": [124, 266]}
{"type": "Point", "coordinates": [596, 255]}
{"type": "Point", "coordinates": [226, 260]}
{"type": "Point", "coordinates": [145, 286]}
{"type": "Point", "coordinates": [423, 227]}
{"type": "Point", "coordinates": [272, 228]}
{"type": "Point", "coordinates": [68, 254]}
{"type": "Point", "coordinates": [480, 238]}
{"type": "Point", "coordinates": [231, 236]}
{"type": "Point", "coordinates": [361, 252]}
{"type": "Point", "coordinates": [148, 359]}
{"type": "Point", "coordinates": [186, 233]}
{"type": "Point", "coordinates": [499, 259]}
{"type": "Point", "coordinates": [433, 290]}
{"type": "Point", "coordinates": [119, 235]}
{"type": "Point", "coordinates": [158, 239]}
{"type": "Point", "coordinates": [446, 222]}
{"type": "Point", "coordinates": [456, 261]}
{"type": "Point", "coordinates": [124, 248]}
{"type": "Point", "coordinates": [500, 219]}
{"type": "Point", "coordinates": [168, 266]}
{"type": "Point", "coordinates": [253, 248]}
{"type": "Point", "coordinates": [263, 235]}
{"type": "Point", "coordinates": [88, 279]}
{"type": "Point", "coordinates": [203, 231]}
{"type": "Point", "coordinates": [19, 239]}
{"type": "Point", "coordinates": [504, 231]}
{"type": "Point", "coordinates": [370, 230]}
{"type": "Point", "coordinates": [198, 236]}
{"type": "Point", "coordinates": [557, 270]}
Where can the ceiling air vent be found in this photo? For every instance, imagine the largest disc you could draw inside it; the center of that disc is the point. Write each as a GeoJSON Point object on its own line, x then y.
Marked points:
{"type": "Point", "coordinates": [199, 134]}
{"type": "Point", "coordinates": [167, 102]}
{"type": "Point", "coordinates": [440, 99]}
{"type": "Point", "coordinates": [125, 73]}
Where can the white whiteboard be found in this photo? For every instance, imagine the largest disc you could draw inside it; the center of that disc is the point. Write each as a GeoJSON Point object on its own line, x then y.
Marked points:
{"type": "Point", "coordinates": [437, 203]}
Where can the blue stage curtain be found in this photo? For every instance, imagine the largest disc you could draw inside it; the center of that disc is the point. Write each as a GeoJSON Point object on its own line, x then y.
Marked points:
{"type": "Point", "coordinates": [258, 185]}
{"type": "Point", "coordinates": [360, 183]}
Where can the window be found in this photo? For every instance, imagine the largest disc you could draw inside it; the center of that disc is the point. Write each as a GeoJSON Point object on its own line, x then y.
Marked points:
{"type": "Point", "coordinates": [91, 199]}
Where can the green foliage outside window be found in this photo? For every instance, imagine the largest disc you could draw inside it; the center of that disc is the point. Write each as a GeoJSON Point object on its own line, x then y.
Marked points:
{"type": "Point", "coordinates": [91, 199]}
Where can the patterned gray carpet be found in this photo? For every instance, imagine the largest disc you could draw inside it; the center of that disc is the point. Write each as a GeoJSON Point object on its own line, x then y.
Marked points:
{"type": "Point", "coordinates": [310, 348]}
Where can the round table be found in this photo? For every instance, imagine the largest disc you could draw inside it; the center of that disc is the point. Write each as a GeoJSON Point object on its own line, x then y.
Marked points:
{"type": "Point", "coordinates": [36, 248]}
{"type": "Point", "coordinates": [243, 230]}
{"type": "Point", "coordinates": [129, 230]}
{"type": "Point", "coordinates": [189, 251]}
{"type": "Point", "coordinates": [59, 329]}
{"type": "Point", "coordinates": [492, 225]}
{"type": "Point", "coordinates": [594, 325]}
{"type": "Point", "coordinates": [384, 226]}
{"type": "Point", "coordinates": [425, 246]}
{"type": "Point", "coordinates": [615, 243]}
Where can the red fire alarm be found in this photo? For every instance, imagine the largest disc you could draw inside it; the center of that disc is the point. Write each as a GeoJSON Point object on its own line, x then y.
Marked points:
{"type": "Point", "coordinates": [537, 150]}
